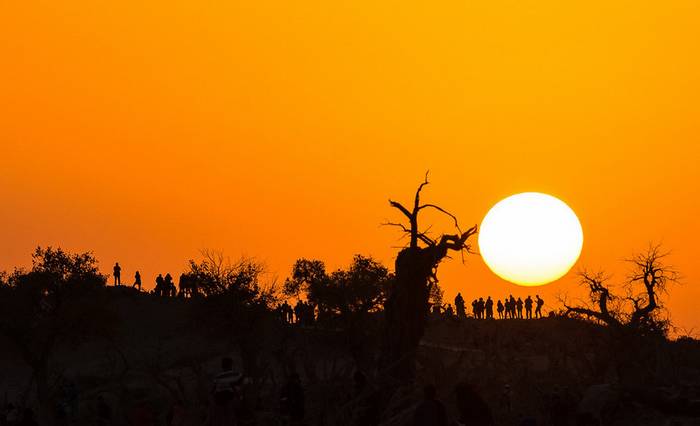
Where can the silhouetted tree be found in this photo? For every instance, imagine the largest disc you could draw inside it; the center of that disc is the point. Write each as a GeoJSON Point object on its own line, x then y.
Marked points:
{"type": "Point", "coordinates": [215, 274]}
{"type": "Point", "coordinates": [416, 275]}
{"type": "Point", "coordinates": [639, 309]}
{"type": "Point", "coordinates": [60, 301]}
{"type": "Point", "coordinates": [359, 289]}
{"type": "Point", "coordinates": [237, 303]}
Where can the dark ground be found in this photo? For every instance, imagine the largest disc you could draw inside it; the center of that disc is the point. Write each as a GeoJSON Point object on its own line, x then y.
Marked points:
{"type": "Point", "coordinates": [551, 366]}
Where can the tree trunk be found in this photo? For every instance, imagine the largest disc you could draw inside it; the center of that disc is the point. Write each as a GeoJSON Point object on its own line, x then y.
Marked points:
{"type": "Point", "coordinates": [407, 310]}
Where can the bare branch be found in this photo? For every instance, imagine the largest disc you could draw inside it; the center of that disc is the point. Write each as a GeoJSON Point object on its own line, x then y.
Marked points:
{"type": "Point", "coordinates": [420, 188]}
{"type": "Point", "coordinates": [454, 218]}
{"type": "Point", "coordinates": [403, 209]}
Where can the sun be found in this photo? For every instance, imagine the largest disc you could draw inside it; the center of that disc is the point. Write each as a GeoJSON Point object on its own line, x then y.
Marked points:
{"type": "Point", "coordinates": [530, 238]}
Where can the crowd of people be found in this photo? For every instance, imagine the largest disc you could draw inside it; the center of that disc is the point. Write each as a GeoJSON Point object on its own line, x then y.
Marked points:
{"type": "Point", "coordinates": [509, 308]}
{"type": "Point", "coordinates": [165, 285]}
{"type": "Point", "coordinates": [303, 313]}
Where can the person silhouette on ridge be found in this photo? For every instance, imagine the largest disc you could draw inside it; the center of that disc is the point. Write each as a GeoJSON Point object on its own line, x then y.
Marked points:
{"type": "Point", "coordinates": [499, 308]}
{"type": "Point", "coordinates": [519, 306]}
{"type": "Point", "coordinates": [480, 307]}
{"type": "Point", "coordinates": [489, 308]}
{"type": "Point", "coordinates": [169, 286]}
{"type": "Point", "coordinates": [528, 307]}
{"type": "Point", "coordinates": [459, 306]}
{"type": "Point", "coordinates": [538, 308]}
{"type": "Point", "coordinates": [449, 312]}
{"type": "Point", "coordinates": [137, 280]}
{"type": "Point", "coordinates": [159, 285]}
{"type": "Point", "coordinates": [117, 274]}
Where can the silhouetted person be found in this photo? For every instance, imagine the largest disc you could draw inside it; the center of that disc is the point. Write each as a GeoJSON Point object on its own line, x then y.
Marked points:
{"type": "Point", "coordinates": [137, 280]}
{"type": "Point", "coordinates": [117, 274]}
{"type": "Point", "coordinates": [158, 290]}
{"type": "Point", "coordinates": [430, 412]}
{"type": "Point", "coordinates": [222, 410]}
{"type": "Point", "coordinates": [473, 410]}
{"type": "Point", "coordinates": [489, 308]}
{"type": "Point", "coordinates": [292, 399]}
{"type": "Point", "coordinates": [519, 307]}
{"type": "Point", "coordinates": [290, 313]}
{"type": "Point", "coordinates": [528, 307]}
{"type": "Point", "coordinates": [480, 308]}
{"type": "Point", "coordinates": [169, 286]}
{"type": "Point", "coordinates": [538, 308]}
{"type": "Point", "coordinates": [500, 308]}
{"type": "Point", "coordinates": [298, 308]}
{"type": "Point", "coordinates": [459, 306]}
{"type": "Point", "coordinates": [474, 308]}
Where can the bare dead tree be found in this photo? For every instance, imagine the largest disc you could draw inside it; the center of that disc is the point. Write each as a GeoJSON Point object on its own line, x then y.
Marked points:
{"type": "Point", "coordinates": [638, 309]}
{"type": "Point", "coordinates": [407, 307]}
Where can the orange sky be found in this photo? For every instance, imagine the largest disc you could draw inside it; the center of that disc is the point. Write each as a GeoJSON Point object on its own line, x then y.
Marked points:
{"type": "Point", "coordinates": [146, 132]}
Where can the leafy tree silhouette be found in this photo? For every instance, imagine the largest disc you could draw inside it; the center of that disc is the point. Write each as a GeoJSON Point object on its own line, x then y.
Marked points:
{"type": "Point", "coordinates": [360, 289]}
{"type": "Point", "coordinates": [416, 275]}
{"type": "Point", "coordinates": [60, 301]}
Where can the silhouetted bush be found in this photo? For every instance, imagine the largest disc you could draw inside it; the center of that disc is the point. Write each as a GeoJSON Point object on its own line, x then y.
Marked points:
{"type": "Point", "coordinates": [361, 288]}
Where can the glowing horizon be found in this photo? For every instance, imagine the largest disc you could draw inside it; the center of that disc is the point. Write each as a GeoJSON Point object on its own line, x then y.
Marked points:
{"type": "Point", "coordinates": [278, 130]}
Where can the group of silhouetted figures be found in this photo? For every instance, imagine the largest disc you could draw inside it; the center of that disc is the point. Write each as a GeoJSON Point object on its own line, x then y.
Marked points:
{"type": "Point", "coordinates": [165, 286]}
{"type": "Point", "coordinates": [510, 308]}
{"type": "Point", "coordinates": [303, 313]}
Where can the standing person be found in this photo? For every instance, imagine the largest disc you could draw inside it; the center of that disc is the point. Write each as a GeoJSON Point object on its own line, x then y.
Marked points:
{"type": "Point", "coordinates": [489, 308]}
{"type": "Point", "coordinates": [117, 274]}
{"type": "Point", "coordinates": [137, 280]}
{"type": "Point", "coordinates": [480, 307]}
{"type": "Point", "coordinates": [538, 308]}
{"type": "Point", "coordinates": [459, 305]}
{"type": "Point", "coordinates": [519, 306]}
{"type": "Point", "coordinates": [222, 408]}
{"type": "Point", "coordinates": [159, 290]}
{"type": "Point", "coordinates": [499, 308]}
{"type": "Point", "coordinates": [430, 412]}
{"type": "Point", "coordinates": [475, 304]}
{"type": "Point", "coordinates": [528, 307]}
{"type": "Point", "coordinates": [169, 286]}
{"type": "Point", "coordinates": [512, 307]}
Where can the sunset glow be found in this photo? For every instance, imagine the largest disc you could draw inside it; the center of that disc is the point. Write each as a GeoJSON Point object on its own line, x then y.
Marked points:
{"type": "Point", "coordinates": [147, 131]}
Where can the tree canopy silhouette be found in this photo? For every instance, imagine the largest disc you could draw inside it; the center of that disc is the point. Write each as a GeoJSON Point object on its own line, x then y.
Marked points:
{"type": "Point", "coordinates": [416, 275]}
{"type": "Point", "coordinates": [60, 301]}
{"type": "Point", "coordinates": [360, 288]}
